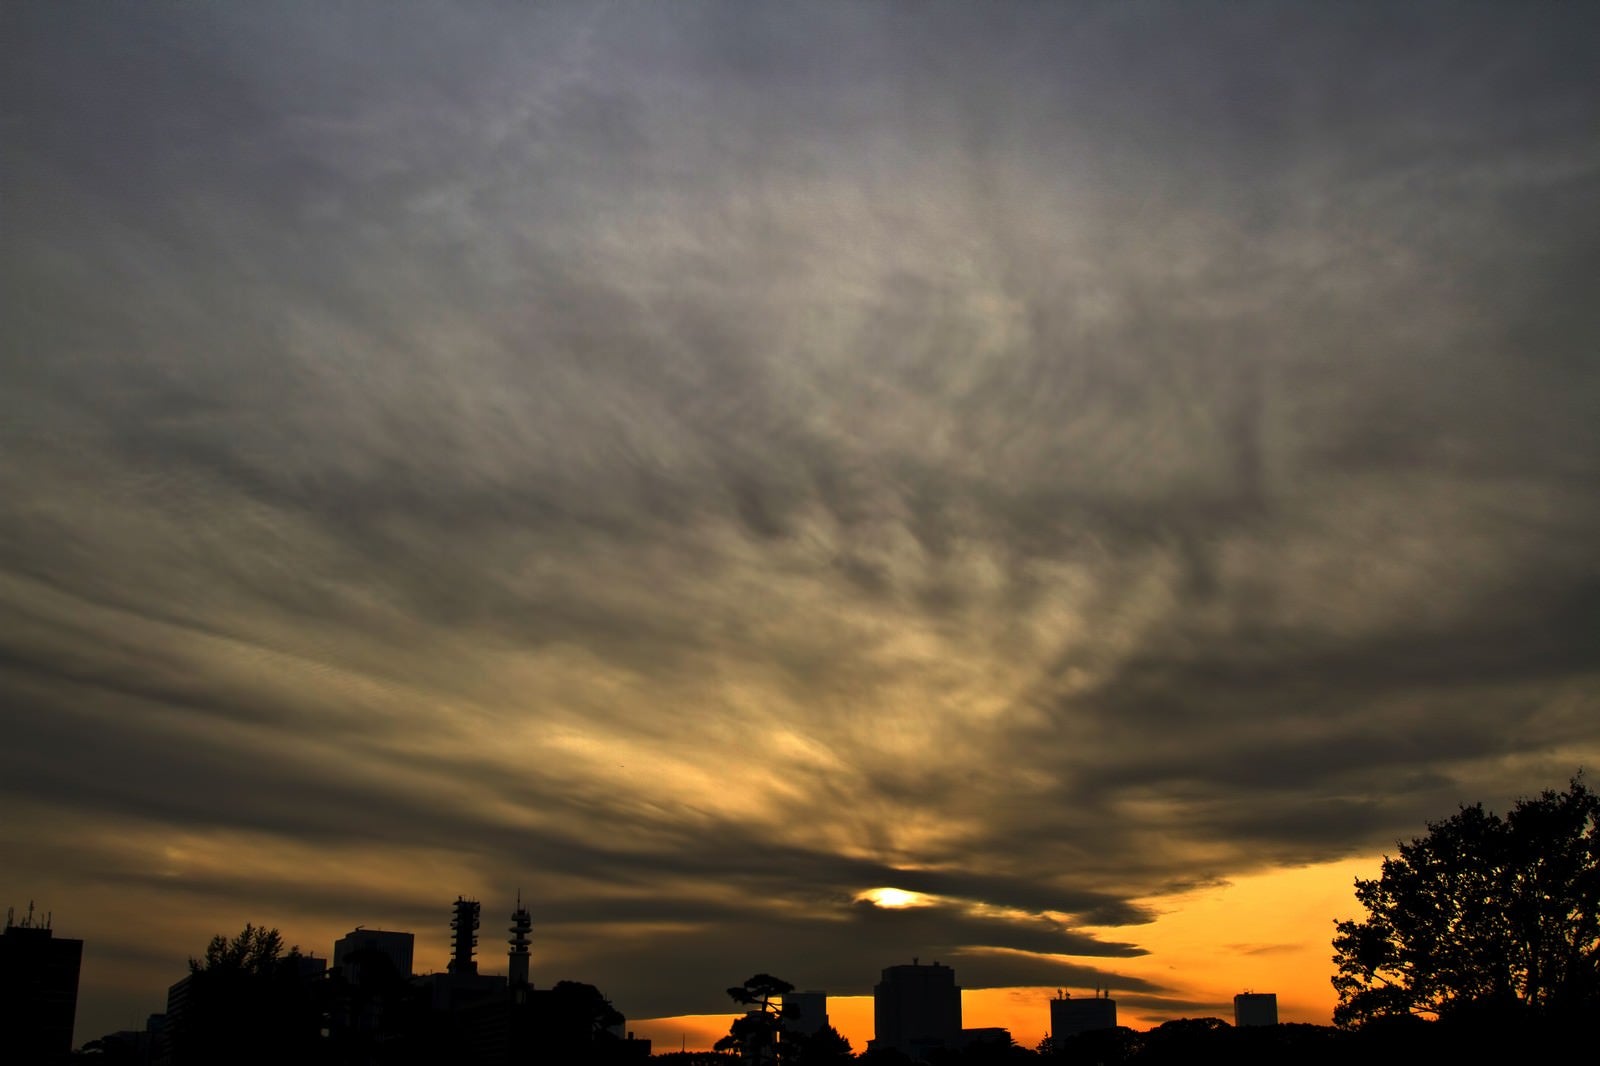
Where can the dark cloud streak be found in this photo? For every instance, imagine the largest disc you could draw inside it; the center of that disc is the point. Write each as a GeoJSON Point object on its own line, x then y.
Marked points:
{"type": "Point", "coordinates": [734, 460]}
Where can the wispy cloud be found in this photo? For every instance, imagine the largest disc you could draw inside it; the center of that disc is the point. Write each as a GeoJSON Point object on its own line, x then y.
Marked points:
{"type": "Point", "coordinates": [702, 467]}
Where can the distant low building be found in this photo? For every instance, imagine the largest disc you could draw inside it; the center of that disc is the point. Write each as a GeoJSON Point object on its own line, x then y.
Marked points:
{"type": "Point", "coordinates": [990, 1036]}
{"type": "Point", "coordinates": [805, 1013]}
{"type": "Point", "coordinates": [1255, 1008]}
{"type": "Point", "coordinates": [38, 990]}
{"type": "Point", "coordinates": [1069, 1017]}
{"type": "Point", "coordinates": [399, 948]}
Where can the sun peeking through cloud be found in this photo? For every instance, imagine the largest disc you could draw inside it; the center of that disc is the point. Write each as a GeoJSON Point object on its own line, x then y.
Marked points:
{"type": "Point", "coordinates": [894, 897]}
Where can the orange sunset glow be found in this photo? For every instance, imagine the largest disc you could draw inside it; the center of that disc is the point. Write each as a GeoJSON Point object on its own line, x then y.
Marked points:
{"type": "Point", "coordinates": [1262, 932]}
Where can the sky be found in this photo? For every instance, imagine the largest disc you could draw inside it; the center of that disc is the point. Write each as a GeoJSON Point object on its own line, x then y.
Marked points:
{"type": "Point", "coordinates": [1057, 489]}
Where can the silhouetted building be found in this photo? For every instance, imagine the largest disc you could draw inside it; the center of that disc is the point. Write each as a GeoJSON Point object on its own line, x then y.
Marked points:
{"type": "Point", "coordinates": [1255, 1008]}
{"type": "Point", "coordinates": [399, 948]}
{"type": "Point", "coordinates": [176, 1018]}
{"type": "Point", "coordinates": [1069, 1017]}
{"type": "Point", "coordinates": [132, 1047]}
{"type": "Point", "coordinates": [157, 1048]}
{"type": "Point", "coordinates": [805, 1013]}
{"type": "Point", "coordinates": [307, 968]}
{"type": "Point", "coordinates": [916, 1009]}
{"type": "Point", "coordinates": [989, 1036]}
{"type": "Point", "coordinates": [127, 1047]}
{"type": "Point", "coordinates": [38, 990]}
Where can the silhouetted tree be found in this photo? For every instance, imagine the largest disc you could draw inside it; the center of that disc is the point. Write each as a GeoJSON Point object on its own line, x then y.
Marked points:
{"type": "Point", "coordinates": [825, 1047]}
{"type": "Point", "coordinates": [575, 1022]}
{"type": "Point", "coordinates": [248, 1002]}
{"type": "Point", "coordinates": [254, 952]}
{"type": "Point", "coordinates": [754, 1036]}
{"type": "Point", "coordinates": [1186, 1040]}
{"type": "Point", "coordinates": [760, 991]}
{"type": "Point", "coordinates": [1484, 915]}
{"type": "Point", "coordinates": [587, 1004]}
{"type": "Point", "coordinates": [983, 1051]}
{"type": "Point", "coordinates": [1098, 1047]}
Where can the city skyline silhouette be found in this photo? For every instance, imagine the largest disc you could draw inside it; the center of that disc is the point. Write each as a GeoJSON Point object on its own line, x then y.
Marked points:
{"type": "Point", "coordinates": [1059, 489]}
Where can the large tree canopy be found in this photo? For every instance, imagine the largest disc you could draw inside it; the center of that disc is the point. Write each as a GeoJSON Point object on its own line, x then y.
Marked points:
{"type": "Point", "coordinates": [1483, 912]}
{"type": "Point", "coordinates": [256, 951]}
{"type": "Point", "coordinates": [248, 1003]}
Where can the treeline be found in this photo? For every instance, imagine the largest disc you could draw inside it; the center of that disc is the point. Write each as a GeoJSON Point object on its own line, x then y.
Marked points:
{"type": "Point", "coordinates": [1489, 1037]}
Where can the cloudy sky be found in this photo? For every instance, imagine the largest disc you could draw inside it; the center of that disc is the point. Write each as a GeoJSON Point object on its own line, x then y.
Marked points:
{"type": "Point", "coordinates": [705, 465]}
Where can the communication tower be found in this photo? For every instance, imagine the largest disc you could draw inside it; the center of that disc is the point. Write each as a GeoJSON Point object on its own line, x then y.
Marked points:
{"type": "Point", "coordinates": [521, 925]}
{"type": "Point", "coordinates": [464, 932]}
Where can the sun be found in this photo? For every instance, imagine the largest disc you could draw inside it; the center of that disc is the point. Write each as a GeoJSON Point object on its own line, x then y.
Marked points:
{"type": "Point", "coordinates": [894, 897]}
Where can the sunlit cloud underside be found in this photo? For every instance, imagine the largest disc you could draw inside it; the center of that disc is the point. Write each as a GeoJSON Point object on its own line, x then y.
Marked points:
{"type": "Point", "coordinates": [788, 489]}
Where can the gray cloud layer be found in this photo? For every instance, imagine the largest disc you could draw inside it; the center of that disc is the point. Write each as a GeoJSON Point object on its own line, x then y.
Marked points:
{"type": "Point", "coordinates": [701, 463]}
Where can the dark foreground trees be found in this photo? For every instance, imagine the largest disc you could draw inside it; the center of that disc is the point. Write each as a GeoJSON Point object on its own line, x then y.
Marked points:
{"type": "Point", "coordinates": [1483, 917]}
{"type": "Point", "coordinates": [754, 1036]}
{"type": "Point", "coordinates": [758, 1035]}
{"type": "Point", "coordinates": [248, 1002]}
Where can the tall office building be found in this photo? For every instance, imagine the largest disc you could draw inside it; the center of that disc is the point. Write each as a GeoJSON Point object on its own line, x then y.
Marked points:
{"type": "Point", "coordinates": [805, 1013]}
{"type": "Point", "coordinates": [916, 1009]}
{"type": "Point", "coordinates": [397, 947]}
{"type": "Point", "coordinates": [1255, 1008]}
{"type": "Point", "coordinates": [1069, 1017]}
{"type": "Point", "coordinates": [38, 990]}
{"type": "Point", "coordinates": [177, 1018]}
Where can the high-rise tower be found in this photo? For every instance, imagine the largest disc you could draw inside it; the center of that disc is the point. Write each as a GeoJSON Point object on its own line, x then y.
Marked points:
{"type": "Point", "coordinates": [1255, 1008]}
{"type": "Point", "coordinates": [464, 932]}
{"type": "Point", "coordinates": [38, 990]}
{"type": "Point", "coordinates": [916, 1009]}
{"type": "Point", "coordinates": [521, 925]}
{"type": "Point", "coordinates": [1069, 1017]}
